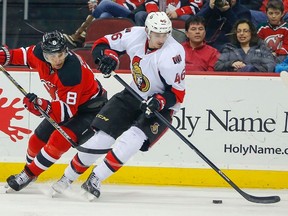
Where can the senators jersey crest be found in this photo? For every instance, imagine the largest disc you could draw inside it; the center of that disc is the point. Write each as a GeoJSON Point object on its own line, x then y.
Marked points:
{"type": "Point", "coordinates": [139, 78]}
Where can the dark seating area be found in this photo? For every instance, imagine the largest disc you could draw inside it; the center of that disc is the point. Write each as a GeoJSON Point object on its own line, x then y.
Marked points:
{"type": "Point", "coordinates": [100, 27]}
{"type": "Point", "coordinates": [65, 16]}
{"type": "Point", "coordinates": [44, 15]}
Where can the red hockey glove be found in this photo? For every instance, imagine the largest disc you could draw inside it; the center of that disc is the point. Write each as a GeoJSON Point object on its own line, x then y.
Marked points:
{"type": "Point", "coordinates": [156, 102]}
{"type": "Point", "coordinates": [4, 56]}
{"type": "Point", "coordinates": [31, 99]}
{"type": "Point", "coordinates": [108, 62]}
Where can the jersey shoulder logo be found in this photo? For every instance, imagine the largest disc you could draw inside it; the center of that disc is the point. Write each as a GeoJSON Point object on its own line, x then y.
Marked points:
{"type": "Point", "coordinates": [177, 59]}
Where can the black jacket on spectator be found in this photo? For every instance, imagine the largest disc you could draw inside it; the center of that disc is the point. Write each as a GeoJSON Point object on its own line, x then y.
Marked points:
{"type": "Point", "coordinates": [252, 4]}
{"type": "Point", "coordinates": [218, 23]}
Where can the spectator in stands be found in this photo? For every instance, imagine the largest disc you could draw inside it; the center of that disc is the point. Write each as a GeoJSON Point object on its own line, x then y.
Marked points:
{"type": "Point", "coordinates": [174, 9]}
{"type": "Point", "coordinates": [247, 52]}
{"type": "Point", "coordinates": [275, 31]}
{"type": "Point", "coordinates": [199, 55]}
{"type": "Point", "coordinates": [258, 11]}
{"type": "Point", "coordinates": [105, 9]}
{"type": "Point", "coordinates": [220, 20]}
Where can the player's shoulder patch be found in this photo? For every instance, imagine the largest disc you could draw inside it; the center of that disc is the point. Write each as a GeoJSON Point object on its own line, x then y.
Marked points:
{"type": "Point", "coordinates": [71, 73]}
{"type": "Point", "coordinates": [38, 52]}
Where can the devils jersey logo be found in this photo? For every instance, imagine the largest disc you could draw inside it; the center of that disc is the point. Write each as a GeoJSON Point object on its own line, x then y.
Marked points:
{"type": "Point", "coordinates": [139, 78]}
{"type": "Point", "coordinates": [51, 88]}
{"type": "Point", "coordinates": [7, 113]}
{"type": "Point", "coordinates": [274, 41]}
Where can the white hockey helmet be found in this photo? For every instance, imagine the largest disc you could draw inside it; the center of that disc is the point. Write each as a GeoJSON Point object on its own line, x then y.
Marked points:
{"type": "Point", "coordinates": [158, 22]}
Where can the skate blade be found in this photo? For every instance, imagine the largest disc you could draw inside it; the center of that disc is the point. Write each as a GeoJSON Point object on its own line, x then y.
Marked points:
{"type": "Point", "coordinates": [6, 189]}
{"type": "Point", "coordinates": [55, 194]}
{"type": "Point", "coordinates": [88, 196]}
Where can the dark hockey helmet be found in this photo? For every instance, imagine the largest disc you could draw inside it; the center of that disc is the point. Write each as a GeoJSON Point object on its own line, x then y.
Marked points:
{"type": "Point", "coordinates": [53, 42]}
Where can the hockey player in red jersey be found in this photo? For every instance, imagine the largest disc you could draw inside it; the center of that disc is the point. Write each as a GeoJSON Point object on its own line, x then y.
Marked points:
{"type": "Point", "coordinates": [76, 98]}
{"type": "Point", "coordinates": [158, 71]}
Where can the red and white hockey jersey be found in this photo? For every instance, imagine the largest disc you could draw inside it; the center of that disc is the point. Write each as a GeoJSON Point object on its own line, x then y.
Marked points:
{"type": "Point", "coordinates": [276, 37]}
{"type": "Point", "coordinates": [182, 6]}
{"type": "Point", "coordinates": [151, 71]}
{"type": "Point", "coordinates": [69, 87]}
{"type": "Point", "coordinates": [130, 4]}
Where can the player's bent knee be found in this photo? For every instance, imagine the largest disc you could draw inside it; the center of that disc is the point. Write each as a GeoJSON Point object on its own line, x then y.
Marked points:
{"type": "Point", "coordinates": [34, 145]}
{"type": "Point", "coordinates": [58, 145]}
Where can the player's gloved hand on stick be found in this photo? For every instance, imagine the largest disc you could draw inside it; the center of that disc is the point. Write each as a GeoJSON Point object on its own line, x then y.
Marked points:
{"type": "Point", "coordinates": [31, 101]}
{"type": "Point", "coordinates": [108, 62]}
{"type": "Point", "coordinates": [155, 102]}
{"type": "Point", "coordinates": [4, 56]}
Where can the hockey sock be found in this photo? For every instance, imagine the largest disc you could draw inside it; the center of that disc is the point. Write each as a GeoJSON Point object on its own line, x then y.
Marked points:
{"type": "Point", "coordinates": [126, 146]}
{"type": "Point", "coordinates": [34, 147]}
{"type": "Point", "coordinates": [101, 143]}
{"type": "Point", "coordinates": [51, 152]}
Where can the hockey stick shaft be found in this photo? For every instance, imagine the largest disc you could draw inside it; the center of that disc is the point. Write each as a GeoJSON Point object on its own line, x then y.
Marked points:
{"type": "Point", "coordinates": [265, 200]}
{"type": "Point", "coordinates": [47, 117]}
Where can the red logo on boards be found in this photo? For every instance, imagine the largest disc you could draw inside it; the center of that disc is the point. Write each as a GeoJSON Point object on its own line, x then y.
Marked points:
{"type": "Point", "coordinates": [7, 113]}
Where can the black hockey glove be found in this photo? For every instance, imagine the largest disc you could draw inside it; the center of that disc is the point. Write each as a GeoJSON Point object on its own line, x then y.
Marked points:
{"type": "Point", "coordinates": [108, 62]}
{"type": "Point", "coordinates": [155, 102]}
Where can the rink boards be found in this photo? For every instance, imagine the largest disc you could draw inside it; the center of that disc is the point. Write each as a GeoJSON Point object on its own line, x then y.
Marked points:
{"type": "Point", "coordinates": [238, 121]}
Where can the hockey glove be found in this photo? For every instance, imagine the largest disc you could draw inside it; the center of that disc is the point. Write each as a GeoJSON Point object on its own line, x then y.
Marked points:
{"type": "Point", "coordinates": [108, 62]}
{"type": "Point", "coordinates": [4, 56]}
{"type": "Point", "coordinates": [31, 99]}
{"type": "Point", "coordinates": [155, 102]}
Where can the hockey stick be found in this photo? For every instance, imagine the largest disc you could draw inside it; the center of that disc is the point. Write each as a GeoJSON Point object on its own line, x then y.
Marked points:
{"type": "Point", "coordinates": [48, 118]}
{"type": "Point", "coordinates": [251, 198]}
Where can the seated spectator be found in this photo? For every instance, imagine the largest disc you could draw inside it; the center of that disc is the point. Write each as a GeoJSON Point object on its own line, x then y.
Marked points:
{"type": "Point", "coordinates": [275, 31]}
{"type": "Point", "coordinates": [247, 52]}
{"type": "Point", "coordinates": [174, 9]}
{"type": "Point", "coordinates": [220, 20]}
{"type": "Point", "coordinates": [258, 12]}
{"type": "Point", "coordinates": [105, 9]}
{"type": "Point", "coordinates": [199, 55]}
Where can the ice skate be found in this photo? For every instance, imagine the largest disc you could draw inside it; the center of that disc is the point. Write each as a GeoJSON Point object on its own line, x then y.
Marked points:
{"type": "Point", "coordinates": [91, 187]}
{"type": "Point", "coordinates": [61, 186]}
{"type": "Point", "coordinates": [19, 181]}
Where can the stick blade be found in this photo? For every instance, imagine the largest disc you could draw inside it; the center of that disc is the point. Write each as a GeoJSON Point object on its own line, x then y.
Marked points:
{"type": "Point", "coordinates": [262, 200]}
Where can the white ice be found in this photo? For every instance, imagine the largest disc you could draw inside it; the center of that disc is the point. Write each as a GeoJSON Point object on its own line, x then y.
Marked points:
{"type": "Point", "coordinates": [120, 200]}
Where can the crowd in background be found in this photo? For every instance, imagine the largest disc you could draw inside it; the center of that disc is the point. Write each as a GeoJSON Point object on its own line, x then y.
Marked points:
{"type": "Point", "coordinates": [222, 35]}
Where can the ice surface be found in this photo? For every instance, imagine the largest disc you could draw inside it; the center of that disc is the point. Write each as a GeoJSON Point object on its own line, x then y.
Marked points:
{"type": "Point", "coordinates": [123, 200]}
